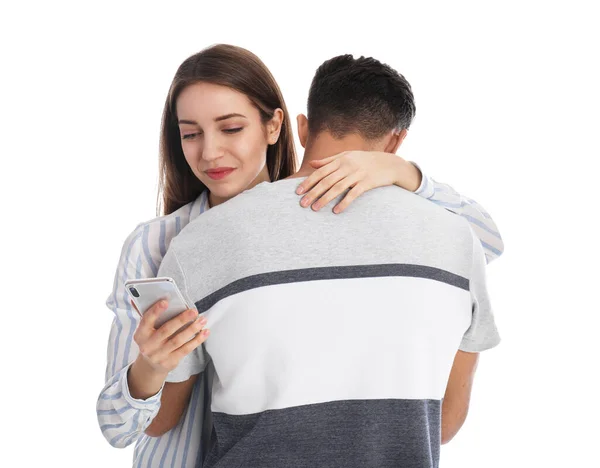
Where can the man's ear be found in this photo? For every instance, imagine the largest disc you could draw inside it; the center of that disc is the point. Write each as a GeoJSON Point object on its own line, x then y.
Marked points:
{"type": "Point", "coordinates": [302, 129]}
{"type": "Point", "coordinates": [274, 127]}
{"type": "Point", "coordinates": [395, 141]}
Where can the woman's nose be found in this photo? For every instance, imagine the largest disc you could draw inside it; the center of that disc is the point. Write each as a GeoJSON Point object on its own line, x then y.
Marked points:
{"type": "Point", "coordinates": [212, 149]}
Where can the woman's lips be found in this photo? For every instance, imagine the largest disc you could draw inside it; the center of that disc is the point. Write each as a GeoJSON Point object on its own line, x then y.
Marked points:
{"type": "Point", "coordinates": [220, 173]}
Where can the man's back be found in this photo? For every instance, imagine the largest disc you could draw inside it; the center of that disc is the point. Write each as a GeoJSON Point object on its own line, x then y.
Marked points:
{"type": "Point", "coordinates": [332, 336]}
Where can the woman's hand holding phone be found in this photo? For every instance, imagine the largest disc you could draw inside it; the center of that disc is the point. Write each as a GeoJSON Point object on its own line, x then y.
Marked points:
{"type": "Point", "coordinates": [161, 349]}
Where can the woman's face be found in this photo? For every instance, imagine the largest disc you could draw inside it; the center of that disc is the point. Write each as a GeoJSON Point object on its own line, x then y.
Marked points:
{"type": "Point", "coordinates": [223, 139]}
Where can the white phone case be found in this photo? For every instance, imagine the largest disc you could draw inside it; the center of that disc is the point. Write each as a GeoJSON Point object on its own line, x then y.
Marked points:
{"type": "Point", "coordinates": [152, 290]}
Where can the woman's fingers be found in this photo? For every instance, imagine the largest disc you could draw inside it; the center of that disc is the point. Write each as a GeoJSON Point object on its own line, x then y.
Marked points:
{"type": "Point", "coordinates": [333, 193]}
{"type": "Point", "coordinates": [323, 186]}
{"type": "Point", "coordinates": [150, 316]}
{"type": "Point", "coordinates": [317, 176]}
{"type": "Point", "coordinates": [165, 346]}
{"type": "Point", "coordinates": [136, 309]}
{"type": "Point", "coordinates": [352, 195]}
{"type": "Point", "coordinates": [183, 336]}
{"type": "Point", "coordinates": [322, 162]}
{"type": "Point", "coordinates": [190, 345]}
{"type": "Point", "coordinates": [145, 329]}
{"type": "Point", "coordinates": [172, 326]}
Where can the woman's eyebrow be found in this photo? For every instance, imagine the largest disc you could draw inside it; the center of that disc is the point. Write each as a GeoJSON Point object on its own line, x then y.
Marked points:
{"type": "Point", "coordinates": [228, 116]}
{"type": "Point", "coordinates": [218, 119]}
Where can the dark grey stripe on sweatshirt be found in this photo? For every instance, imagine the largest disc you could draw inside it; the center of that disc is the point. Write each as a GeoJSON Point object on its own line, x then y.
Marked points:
{"type": "Point", "coordinates": [331, 273]}
{"type": "Point", "coordinates": [339, 434]}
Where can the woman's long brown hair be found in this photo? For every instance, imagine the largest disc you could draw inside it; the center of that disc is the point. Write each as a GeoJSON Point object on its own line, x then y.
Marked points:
{"type": "Point", "coordinates": [238, 69]}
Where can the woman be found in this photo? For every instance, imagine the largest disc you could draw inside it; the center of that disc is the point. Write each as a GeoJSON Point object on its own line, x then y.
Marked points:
{"type": "Point", "coordinates": [225, 129]}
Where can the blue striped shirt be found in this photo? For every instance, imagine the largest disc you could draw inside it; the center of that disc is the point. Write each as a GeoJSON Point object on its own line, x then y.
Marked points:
{"type": "Point", "coordinates": [124, 419]}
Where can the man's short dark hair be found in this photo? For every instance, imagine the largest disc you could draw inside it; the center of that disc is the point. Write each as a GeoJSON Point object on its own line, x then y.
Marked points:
{"type": "Point", "coordinates": [362, 96]}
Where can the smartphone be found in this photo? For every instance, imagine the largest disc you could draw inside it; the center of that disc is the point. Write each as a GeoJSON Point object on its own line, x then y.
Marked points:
{"type": "Point", "coordinates": [146, 292]}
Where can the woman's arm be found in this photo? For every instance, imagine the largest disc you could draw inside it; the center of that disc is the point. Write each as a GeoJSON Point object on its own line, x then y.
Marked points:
{"type": "Point", "coordinates": [139, 357]}
{"type": "Point", "coordinates": [146, 403]}
{"type": "Point", "coordinates": [480, 220]}
{"type": "Point", "coordinates": [122, 417]}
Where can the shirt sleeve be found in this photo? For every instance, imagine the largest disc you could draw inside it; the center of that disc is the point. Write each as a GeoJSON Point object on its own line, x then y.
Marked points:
{"type": "Point", "coordinates": [480, 220]}
{"type": "Point", "coordinates": [123, 419]}
{"type": "Point", "coordinates": [195, 362]}
{"type": "Point", "coordinates": [482, 334]}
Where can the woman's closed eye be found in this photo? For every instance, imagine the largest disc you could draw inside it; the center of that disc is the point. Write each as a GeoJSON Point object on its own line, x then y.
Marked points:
{"type": "Point", "coordinates": [192, 136]}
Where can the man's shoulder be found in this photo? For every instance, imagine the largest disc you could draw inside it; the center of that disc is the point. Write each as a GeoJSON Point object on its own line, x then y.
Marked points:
{"type": "Point", "coordinates": [268, 194]}
{"type": "Point", "coordinates": [408, 212]}
{"type": "Point", "coordinates": [259, 200]}
{"type": "Point", "coordinates": [395, 199]}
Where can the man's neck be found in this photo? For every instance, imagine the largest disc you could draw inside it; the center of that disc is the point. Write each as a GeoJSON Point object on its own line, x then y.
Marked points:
{"type": "Point", "coordinates": [324, 145]}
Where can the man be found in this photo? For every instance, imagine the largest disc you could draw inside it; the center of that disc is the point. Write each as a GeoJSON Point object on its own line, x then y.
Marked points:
{"type": "Point", "coordinates": [336, 340]}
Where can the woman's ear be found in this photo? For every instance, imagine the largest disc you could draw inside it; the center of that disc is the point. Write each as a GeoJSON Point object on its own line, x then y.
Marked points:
{"type": "Point", "coordinates": [302, 129]}
{"type": "Point", "coordinates": [395, 141]}
{"type": "Point", "coordinates": [274, 127]}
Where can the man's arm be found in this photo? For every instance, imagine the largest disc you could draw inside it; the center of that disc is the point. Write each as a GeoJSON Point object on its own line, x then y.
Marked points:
{"type": "Point", "coordinates": [481, 335]}
{"type": "Point", "coordinates": [174, 400]}
{"type": "Point", "coordinates": [458, 394]}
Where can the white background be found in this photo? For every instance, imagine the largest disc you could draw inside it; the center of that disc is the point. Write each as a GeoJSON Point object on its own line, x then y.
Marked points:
{"type": "Point", "coordinates": [507, 113]}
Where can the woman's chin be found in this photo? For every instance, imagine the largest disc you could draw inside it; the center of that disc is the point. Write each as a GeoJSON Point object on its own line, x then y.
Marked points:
{"type": "Point", "coordinates": [223, 192]}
